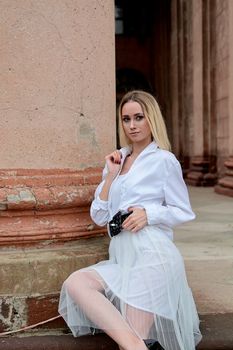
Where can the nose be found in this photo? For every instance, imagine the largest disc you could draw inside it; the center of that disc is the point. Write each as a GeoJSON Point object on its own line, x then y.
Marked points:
{"type": "Point", "coordinates": [132, 126]}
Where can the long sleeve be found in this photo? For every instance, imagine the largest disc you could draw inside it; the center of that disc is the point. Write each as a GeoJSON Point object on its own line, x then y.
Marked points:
{"type": "Point", "coordinates": [176, 208]}
{"type": "Point", "coordinates": [99, 208]}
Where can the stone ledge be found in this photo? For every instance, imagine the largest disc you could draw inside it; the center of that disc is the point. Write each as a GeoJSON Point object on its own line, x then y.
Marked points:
{"type": "Point", "coordinates": [31, 279]}
{"type": "Point", "coordinates": [62, 342]}
{"type": "Point", "coordinates": [40, 272]}
{"type": "Point", "coordinates": [216, 329]}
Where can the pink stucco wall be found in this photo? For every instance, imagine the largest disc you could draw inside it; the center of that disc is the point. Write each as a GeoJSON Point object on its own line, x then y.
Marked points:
{"type": "Point", "coordinates": [57, 91]}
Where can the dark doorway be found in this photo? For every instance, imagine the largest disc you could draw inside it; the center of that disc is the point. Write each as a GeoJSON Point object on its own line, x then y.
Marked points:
{"type": "Point", "coordinates": [143, 49]}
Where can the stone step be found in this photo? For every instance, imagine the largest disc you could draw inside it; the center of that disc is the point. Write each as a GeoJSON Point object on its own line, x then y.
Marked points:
{"type": "Point", "coordinates": [217, 333]}
{"type": "Point", "coordinates": [58, 342]}
{"type": "Point", "coordinates": [67, 342]}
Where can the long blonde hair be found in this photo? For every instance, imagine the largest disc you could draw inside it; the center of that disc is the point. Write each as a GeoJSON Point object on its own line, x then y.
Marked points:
{"type": "Point", "coordinates": [153, 115]}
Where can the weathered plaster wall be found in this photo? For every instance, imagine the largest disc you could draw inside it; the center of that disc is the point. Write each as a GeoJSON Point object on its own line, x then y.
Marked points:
{"type": "Point", "coordinates": [57, 94]}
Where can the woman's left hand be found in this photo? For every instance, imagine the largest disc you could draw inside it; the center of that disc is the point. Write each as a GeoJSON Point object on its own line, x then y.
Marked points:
{"type": "Point", "coordinates": [136, 221]}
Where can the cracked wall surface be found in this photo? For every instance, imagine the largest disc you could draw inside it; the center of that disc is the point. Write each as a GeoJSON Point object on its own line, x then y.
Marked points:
{"type": "Point", "coordinates": [57, 94]}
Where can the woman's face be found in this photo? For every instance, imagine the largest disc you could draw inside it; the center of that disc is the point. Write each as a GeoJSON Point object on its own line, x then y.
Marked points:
{"type": "Point", "coordinates": [135, 124]}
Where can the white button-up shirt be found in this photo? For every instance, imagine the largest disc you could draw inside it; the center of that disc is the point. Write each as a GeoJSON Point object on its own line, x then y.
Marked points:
{"type": "Point", "coordinates": [154, 182]}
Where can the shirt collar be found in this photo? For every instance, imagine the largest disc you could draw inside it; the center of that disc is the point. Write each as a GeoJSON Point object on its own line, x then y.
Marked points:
{"type": "Point", "coordinates": [152, 147]}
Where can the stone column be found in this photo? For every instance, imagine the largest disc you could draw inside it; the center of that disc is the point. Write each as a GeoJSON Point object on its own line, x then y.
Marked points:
{"type": "Point", "coordinates": [57, 96]}
{"type": "Point", "coordinates": [57, 116]}
{"type": "Point", "coordinates": [178, 69]}
{"type": "Point", "coordinates": [225, 184]}
{"type": "Point", "coordinates": [174, 77]}
{"type": "Point", "coordinates": [202, 163]}
{"type": "Point", "coordinates": [181, 80]}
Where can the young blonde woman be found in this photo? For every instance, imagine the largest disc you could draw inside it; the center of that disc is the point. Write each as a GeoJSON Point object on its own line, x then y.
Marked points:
{"type": "Point", "coordinates": [140, 296]}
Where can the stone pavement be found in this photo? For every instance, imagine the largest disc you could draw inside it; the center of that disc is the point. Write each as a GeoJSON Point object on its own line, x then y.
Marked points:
{"type": "Point", "coordinates": [207, 247]}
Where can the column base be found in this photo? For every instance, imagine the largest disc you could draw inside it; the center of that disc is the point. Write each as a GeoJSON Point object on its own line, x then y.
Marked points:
{"type": "Point", "coordinates": [184, 161]}
{"type": "Point", "coordinates": [202, 172]}
{"type": "Point", "coordinates": [46, 206]}
{"type": "Point", "coordinates": [225, 184]}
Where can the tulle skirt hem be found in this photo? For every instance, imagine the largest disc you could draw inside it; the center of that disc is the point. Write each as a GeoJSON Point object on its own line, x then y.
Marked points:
{"type": "Point", "coordinates": [145, 280]}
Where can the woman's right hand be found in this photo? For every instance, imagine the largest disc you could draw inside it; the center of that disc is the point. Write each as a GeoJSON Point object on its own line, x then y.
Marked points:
{"type": "Point", "coordinates": [113, 161]}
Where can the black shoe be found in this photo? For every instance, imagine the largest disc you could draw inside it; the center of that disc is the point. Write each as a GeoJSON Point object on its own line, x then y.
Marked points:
{"type": "Point", "coordinates": [153, 344]}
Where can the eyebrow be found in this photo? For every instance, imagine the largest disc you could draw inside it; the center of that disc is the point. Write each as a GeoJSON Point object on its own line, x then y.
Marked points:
{"type": "Point", "coordinates": [134, 115]}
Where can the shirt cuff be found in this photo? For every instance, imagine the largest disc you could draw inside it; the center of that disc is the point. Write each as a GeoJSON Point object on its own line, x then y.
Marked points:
{"type": "Point", "coordinates": [153, 212]}
{"type": "Point", "coordinates": [101, 203]}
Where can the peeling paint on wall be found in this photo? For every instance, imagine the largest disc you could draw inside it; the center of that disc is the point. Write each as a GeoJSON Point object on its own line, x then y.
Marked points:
{"type": "Point", "coordinates": [13, 313]}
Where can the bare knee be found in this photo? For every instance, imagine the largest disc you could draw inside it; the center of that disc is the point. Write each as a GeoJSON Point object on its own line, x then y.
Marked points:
{"type": "Point", "coordinates": [74, 282]}
{"type": "Point", "coordinates": [81, 281]}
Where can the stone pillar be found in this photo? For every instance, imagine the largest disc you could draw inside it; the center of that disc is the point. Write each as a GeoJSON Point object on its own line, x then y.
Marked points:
{"type": "Point", "coordinates": [202, 163]}
{"type": "Point", "coordinates": [178, 83]}
{"type": "Point", "coordinates": [181, 81]}
{"type": "Point", "coordinates": [57, 123]}
{"type": "Point", "coordinates": [225, 184]}
{"type": "Point", "coordinates": [58, 116]}
{"type": "Point", "coordinates": [174, 77]}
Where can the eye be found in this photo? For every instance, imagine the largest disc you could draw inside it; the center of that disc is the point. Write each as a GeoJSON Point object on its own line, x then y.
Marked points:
{"type": "Point", "coordinates": [125, 119]}
{"type": "Point", "coordinates": [139, 117]}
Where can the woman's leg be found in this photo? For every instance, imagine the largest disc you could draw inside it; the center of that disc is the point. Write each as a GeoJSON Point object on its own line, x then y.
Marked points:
{"type": "Point", "coordinates": [141, 321]}
{"type": "Point", "coordinates": [86, 289]}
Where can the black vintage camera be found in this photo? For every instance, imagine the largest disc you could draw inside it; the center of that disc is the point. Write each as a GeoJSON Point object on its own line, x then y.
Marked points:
{"type": "Point", "coordinates": [115, 225]}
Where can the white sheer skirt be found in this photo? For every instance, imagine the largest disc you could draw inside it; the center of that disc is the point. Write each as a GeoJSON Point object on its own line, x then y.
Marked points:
{"type": "Point", "coordinates": [145, 280]}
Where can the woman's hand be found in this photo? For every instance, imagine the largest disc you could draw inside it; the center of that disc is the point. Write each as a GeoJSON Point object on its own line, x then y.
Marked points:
{"type": "Point", "coordinates": [113, 161]}
{"type": "Point", "coordinates": [136, 221]}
